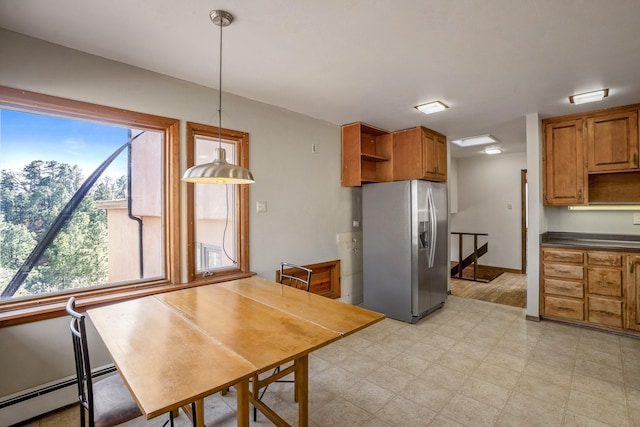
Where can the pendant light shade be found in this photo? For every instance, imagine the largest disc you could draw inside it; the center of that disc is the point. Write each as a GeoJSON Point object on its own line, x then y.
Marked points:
{"type": "Point", "coordinates": [219, 171]}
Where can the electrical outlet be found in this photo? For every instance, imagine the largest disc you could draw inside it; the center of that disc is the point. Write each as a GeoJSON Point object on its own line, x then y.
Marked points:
{"type": "Point", "coordinates": [314, 148]}
{"type": "Point", "coordinates": [636, 218]}
{"type": "Point", "coordinates": [261, 206]}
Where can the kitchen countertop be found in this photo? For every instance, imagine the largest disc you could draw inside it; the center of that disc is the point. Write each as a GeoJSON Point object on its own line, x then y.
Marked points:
{"type": "Point", "coordinates": [591, 240]}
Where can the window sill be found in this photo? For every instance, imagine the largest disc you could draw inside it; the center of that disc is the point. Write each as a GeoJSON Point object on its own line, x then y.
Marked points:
{"type": "Point", "coordinates": [19, 312]}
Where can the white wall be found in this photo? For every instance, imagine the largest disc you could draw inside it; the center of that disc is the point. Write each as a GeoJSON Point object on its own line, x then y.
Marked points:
{"type": "Point", "coordinates": [614, 222]}
{"type": "Point", "coordinates": [486, 185]}
{"type": "Point", "coordinates": [307, 207]}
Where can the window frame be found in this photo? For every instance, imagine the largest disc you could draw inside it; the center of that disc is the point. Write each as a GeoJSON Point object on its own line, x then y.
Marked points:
{"type": "Point", "coordinates": [241, 139]}
{"type": "Point", "coordinates": [45, 306]}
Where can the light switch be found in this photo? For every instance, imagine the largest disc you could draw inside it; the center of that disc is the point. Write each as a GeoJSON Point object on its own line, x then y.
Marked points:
{"type": "Point", "coordinates": [636, 218]}
{"type": "Point", "coordinates": [509, 205]}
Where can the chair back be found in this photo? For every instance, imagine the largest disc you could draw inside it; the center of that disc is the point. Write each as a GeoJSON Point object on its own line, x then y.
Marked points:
{"type": "Point", "coordinates": [295, 276]}
{"type": "Point", "coordinates": [83, 365]}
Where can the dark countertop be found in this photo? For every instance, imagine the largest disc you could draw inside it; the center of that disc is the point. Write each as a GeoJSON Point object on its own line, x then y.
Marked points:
{"type": "Point", "coordinates": [591, 240]}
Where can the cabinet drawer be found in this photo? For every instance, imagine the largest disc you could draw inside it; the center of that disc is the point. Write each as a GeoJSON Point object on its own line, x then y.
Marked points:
{"type": "Point", "coordinates": [564, 271]}
{"type": "Point", "coordinates": [563, 256]}
{"type": "Point", "coordinates": [603, 311]}
{"type": "Point", "coordinates": [564, 287]}
{"type": "Point", "coordinates": [603, 281]}
{"type": "Point", "coordinates": [606, 259]}
{"type": "Point", "coordinates": [565, 308]}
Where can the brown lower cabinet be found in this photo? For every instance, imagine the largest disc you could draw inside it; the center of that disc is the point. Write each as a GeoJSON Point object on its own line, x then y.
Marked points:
{"type": "Point", "coordinates": [632, 309]}
{"type": "Point", "coordinates": [591, 286]}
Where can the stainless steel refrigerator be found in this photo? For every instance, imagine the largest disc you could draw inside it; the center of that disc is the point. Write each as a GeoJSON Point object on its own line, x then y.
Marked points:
{"type": "Point", "coordinates": [405, 248]}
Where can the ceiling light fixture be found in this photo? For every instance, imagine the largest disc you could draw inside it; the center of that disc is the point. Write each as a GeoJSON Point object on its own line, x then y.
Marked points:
{"type": "Point", "coordinates": [492, 150]}
{"type": "Point", "coordinates": [432, 107]}
{"type": "Point", "coordinates": [476, 140]}
{"type": "Point", "coordinates": [594, 96]}
{"type": "Point", "coordinates": [219, 171]}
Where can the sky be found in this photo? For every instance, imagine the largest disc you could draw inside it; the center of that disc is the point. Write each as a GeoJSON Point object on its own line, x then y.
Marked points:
{"type": "Point", "coordinates": [25, 137]}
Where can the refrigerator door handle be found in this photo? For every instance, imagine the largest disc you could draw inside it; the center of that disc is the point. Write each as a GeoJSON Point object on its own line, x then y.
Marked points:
{"type": "Point", "coordinates": [432, 231]}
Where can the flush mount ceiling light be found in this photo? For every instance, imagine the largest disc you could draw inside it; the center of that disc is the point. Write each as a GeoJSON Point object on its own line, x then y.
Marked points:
{"type": "Point", "coordinates": [476, 140]}
{"type": "Point", "coordinates": [431, 107]}
{"type": "Point", "coordinates": [492, 150]}
{"type": "Point", "coordinates": [219, 171]}
{"type": "Point", "coordinates": [583, 98]}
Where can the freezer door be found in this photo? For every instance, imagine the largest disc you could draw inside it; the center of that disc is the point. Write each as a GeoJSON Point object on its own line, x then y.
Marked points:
{"type": "Point", "coordinates": [422, 246]}
{"type": "Point", "coordinates": [441, 267]}
{"type": "Point", "coordinates": [387, 244]}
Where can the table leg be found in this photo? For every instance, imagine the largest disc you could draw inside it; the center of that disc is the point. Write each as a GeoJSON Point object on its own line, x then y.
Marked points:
{"type": "Point", "coordinates": [200, 413]}
{"type": "Point", "coordinates": [199, 404]}
{"type": "Point", "coordinates": [302, 381]}
{"type": "Point", "coordinates": [243, 403]}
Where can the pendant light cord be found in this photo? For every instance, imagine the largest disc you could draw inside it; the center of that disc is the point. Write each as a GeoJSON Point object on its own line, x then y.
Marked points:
{"type": "Point", "coordinates": [220, 92]}
{"type": "Point", "coordinates": [226, 187]}
{"type": "Point", "coordinates": [226, 225]}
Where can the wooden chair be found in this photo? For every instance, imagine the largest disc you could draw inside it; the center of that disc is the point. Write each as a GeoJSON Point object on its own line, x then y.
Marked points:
{"type": "Point", "coordinates": [297, 277]}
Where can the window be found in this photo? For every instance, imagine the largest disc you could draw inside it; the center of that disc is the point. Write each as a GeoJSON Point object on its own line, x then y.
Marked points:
{"type": "Point", "coordinates": [73, 221]}
{"type": "Point", "coordinates": [218, 214]}
{"type": "Point", "coordinates": [209, 258]}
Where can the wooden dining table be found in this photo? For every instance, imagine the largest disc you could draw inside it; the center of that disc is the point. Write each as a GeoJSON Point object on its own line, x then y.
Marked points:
{"type": "Point", "coordinates": [176, 348]}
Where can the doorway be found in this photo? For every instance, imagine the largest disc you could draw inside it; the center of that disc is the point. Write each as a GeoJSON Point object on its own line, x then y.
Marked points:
{"type": "Point", "coordinates": [510, 288]}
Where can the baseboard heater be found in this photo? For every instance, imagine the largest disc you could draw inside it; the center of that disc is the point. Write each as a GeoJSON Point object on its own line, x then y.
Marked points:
{"type": "Point", "coordinates": [23, 405]}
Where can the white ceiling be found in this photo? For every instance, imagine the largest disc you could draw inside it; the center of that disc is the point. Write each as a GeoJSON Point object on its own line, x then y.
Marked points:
{"type": "Point", "coordinates": [491, 61]}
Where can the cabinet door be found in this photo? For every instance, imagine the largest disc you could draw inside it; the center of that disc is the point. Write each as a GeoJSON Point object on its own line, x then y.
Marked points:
{"type": "Point", "coordinates": [351, 166]}
{"type": "Point", "coordinates": [632, 298]}
{"type": "Point", "coordinates": [563, 163]}
{"type": "Point", "coordinates": [434, 156]}
{"type": "Point", "coordinates": [441, 156]}
{"type": "Point", "coordinates": [407, 154]}
{"type": "Point", "coordinates": [429, 159]}
{"type": "Point", "coordinates": [603, 311]}
{"type": "Point", "coordinates": [604, 281]}
{"type": "Point", "coordinates": [612, 142]}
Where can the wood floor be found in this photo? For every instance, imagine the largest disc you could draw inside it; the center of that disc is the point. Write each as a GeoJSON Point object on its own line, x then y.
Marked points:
{"type": "Point", "coordinates": [508, 289]}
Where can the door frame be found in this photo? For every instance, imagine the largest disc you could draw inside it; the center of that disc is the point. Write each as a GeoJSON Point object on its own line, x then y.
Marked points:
{"type": "Point", "coordinates": [523, 218]}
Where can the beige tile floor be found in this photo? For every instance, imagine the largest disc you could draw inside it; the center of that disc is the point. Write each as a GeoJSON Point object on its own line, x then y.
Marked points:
{"type": "Point", "coordinates": [472, 363]}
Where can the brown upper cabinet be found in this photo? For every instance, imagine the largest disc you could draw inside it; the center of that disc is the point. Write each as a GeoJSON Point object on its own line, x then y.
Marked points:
{"type": "Point", "coordinates": [370, 154]}
{"type": "Point", "coordinates": [592, 158]}
{"type": "Point", "coordinates": [419, 153]}
{"type": "Point", "coordinates": [562, 162]}
{"type": "Point", "coordinates": [366, 155]}
{"type": "Point", "coordinates": [612, 142]}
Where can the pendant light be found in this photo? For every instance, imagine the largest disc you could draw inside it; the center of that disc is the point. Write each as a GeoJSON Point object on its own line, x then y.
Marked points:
{"type": "Point", "coordinates": [219, 171]}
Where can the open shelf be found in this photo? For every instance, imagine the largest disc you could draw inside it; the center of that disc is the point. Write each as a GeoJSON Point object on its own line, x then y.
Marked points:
{"type": "Point", "coordinates": [372, 158]}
